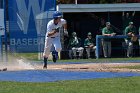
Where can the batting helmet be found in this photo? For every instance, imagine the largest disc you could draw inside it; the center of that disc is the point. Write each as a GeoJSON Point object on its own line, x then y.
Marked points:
{"type": "Point", "coordinates": [57, 14]}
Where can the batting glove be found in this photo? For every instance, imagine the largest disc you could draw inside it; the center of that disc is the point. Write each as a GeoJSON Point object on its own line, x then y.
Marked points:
{"type": "Point", "coordinates": [57, 29]}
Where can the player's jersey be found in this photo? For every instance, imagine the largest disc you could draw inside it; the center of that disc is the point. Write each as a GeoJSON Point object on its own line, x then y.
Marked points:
{"type": "Point", "coordinates": [52, 26]}
{"type": "Point", "coordinates": [128, 29]}
{"type": "Point", "coordinates": [107, 31]}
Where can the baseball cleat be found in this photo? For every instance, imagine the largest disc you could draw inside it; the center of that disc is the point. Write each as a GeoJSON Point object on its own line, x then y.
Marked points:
{"type": "Point", "coordinates": [54, 59]}
{"type": "Point", "coordinates": [45, 67]}
{"type": "Point", "coordinates": [5, 69]}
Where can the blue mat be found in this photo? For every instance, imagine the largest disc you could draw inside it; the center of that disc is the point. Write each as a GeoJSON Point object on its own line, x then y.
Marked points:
{"type": "Point", "coordinates": [52, 76]}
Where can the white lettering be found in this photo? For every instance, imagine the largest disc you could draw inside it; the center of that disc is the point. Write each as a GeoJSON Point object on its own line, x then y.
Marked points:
{"type": "Point", "coordinates": [12, 41]}
{"type": "Point", "coordinates": [30, 42]}
{"type": "Point", "coordinates": [35, 42]}
{"type": "Point", "coordinates": [26, 41]}
{"type": "Point", "coordinates": [18, 42]}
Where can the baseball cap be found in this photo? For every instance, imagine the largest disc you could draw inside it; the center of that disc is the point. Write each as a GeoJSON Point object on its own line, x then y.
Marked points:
{"type": "Point", "coordinates": [89, 34]}
{"type": "Point", "coordinates": [74, 33]}
{"type": "Point", "coordinates": [108, 23]}
{"type": "Point", "coordinates": [131, 23]}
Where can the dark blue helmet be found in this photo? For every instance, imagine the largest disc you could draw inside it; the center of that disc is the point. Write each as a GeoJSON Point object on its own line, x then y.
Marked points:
{"type": "Point", "coordinates": [57, 14]}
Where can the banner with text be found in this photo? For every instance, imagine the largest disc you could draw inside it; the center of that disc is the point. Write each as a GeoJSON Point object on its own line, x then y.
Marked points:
{"type": "Point", "coordinates": [2, 26]}
{"type": "Point", "coordinates": [27, 23]}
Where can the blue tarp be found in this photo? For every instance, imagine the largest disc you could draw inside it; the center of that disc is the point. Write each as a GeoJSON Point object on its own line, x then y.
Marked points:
{"type": "Point", "coordinates": [53, 75]}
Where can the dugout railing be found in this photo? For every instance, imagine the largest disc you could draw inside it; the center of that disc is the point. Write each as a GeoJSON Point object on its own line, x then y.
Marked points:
{"type": "Point", "coordinates": [117, 37]}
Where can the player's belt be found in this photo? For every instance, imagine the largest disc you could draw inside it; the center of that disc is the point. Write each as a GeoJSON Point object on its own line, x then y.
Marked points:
{"type": "Point", "coordinates": [52, 37]}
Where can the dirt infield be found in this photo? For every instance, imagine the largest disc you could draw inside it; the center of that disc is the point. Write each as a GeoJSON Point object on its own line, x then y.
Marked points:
{"type": "Point", "coordinates": [98, 67]}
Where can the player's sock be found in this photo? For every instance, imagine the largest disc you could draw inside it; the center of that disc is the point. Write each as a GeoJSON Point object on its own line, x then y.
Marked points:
{"type": "Point", "coordinates": [55, 56]}
{"type": "Point", "coordinates": [45, 62]}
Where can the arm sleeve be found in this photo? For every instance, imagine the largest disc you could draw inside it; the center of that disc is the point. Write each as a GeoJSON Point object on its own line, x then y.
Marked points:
{"type": "Point", "coordinates": [126, 31]}
{"type": "Point", "coordinates": [49, 28]}
{"type": "Point", "coordinates": [103, 31]}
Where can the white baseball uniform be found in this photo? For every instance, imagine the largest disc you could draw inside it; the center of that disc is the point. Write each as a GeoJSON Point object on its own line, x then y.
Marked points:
{"type": "Point", "coordinates": [54, 39]}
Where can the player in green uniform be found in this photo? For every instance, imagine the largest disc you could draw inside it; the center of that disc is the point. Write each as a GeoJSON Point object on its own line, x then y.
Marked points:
{"type": "Point", "coordinates": [107, 31]}
{"type": "Point", "coordinates": [75, 46]}
{"type": "Point", "coordinates": [130, 31]}
{"type": "Point", "coordinates": [89, 44]}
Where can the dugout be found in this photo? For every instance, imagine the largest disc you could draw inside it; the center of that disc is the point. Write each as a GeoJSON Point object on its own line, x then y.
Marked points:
{"type": "Point", "coordinates": [84, 18]}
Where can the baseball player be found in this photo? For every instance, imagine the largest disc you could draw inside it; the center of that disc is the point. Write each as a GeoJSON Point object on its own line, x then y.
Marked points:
{"type": "Point", "coordinates": [107, 31]}
{"type": "Point", "coordinates": [130, 31]}
{"type": "Point", "coordinates": [89, 44]}
{"type": "Point", "coordinates": [75, 46]}
{"type": "Point", "coordinates": [53, 35]}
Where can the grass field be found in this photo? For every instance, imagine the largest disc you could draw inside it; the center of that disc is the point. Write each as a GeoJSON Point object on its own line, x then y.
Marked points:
{"type": "Point", "coordinates": [111, 85]}
{"type": "Point", "coordinates": [34, 56]}
{"type": "Point", "coordinates": [131, 67]}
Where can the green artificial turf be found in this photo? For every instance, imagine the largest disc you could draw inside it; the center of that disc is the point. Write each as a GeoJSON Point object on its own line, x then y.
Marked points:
{"type": "Point", "coordinates": [111, 85]}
